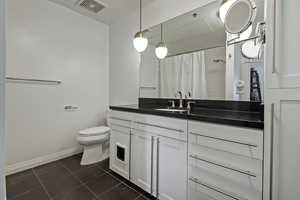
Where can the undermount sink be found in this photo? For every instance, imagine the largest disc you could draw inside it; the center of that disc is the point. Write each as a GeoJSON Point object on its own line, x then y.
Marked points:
{"type": "Point", "coordinates": [171, 110]}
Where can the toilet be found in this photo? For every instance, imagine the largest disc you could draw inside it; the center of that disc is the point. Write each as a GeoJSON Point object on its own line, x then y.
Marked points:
{"type": "Point", "coordinates": [95, 142]}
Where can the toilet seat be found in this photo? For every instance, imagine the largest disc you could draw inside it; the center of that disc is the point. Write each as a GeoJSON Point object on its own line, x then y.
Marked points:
{"type": "Point", "coordinates": [96, 139]}
{"type": "Point", "coordinates": [95, 131]}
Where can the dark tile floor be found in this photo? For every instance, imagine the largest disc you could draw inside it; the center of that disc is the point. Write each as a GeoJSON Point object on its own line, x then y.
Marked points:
{"type": "Point", "coordinates": [66, 179]}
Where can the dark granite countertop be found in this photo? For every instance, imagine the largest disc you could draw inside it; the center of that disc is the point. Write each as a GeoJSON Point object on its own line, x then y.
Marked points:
{"type": "Point", "coordinates": [219, 116]}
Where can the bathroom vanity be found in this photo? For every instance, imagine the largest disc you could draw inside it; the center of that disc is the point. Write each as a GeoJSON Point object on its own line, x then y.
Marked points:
{"type": "Point", "coordinates": [206, 143]}
{"type": "Point", "coordinates": [203, 153]}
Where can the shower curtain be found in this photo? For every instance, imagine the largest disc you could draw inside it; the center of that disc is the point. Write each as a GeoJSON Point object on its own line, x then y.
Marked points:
{"type": "Point", "coordinates": [184, 73]}
{"type": "Point", "coordinates": [199, 89]}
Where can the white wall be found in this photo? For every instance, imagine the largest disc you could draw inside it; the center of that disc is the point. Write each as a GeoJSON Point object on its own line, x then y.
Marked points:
{"type": "Point", "coordinates": [2, 98]}
{"type": "Point", "coordinates": [124, 60]}
{"type": "Point", "coordinates": [47, 41]}
{"type": "Point", "coordinates": [215, 73]}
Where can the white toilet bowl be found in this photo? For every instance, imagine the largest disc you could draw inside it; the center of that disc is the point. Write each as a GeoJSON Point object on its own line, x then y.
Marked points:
{"type": "Point", "coordinates": [95, 143]}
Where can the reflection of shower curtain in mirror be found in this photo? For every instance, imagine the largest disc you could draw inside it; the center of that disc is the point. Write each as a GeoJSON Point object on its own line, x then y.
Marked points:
{"type": "Point", "coordinates": [184, 73]}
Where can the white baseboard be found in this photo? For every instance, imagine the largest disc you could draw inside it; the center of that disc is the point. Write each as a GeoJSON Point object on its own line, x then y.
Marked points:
{"type": "Point", "coordinates": [22, 166]}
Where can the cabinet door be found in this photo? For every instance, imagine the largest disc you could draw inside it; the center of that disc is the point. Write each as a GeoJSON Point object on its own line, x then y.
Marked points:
{"type": "Point", "coordinates": [282, 53]}
{"type": "Point", "coordinates": [142, 160]}
{"type": "Point", "coordinates": [172, 169]}
{"type": "Point", "coordinates": [119, 151]}
{"type": "Point", "coordinates": [282, 147]}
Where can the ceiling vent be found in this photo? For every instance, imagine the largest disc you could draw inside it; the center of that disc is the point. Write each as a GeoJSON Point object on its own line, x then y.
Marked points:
{"type": "Point", "coordinates": [94, 6]}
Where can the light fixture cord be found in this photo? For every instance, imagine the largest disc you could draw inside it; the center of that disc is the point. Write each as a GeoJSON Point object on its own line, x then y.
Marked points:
{"type": "Point", "coordinates": [161, 32]}
{"type": "Point", "coordinates": [141, 15]}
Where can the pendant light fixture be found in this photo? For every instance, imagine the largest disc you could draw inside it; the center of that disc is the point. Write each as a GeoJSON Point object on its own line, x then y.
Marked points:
{"type": "Point", "coordinates": [140, 42]}
{"type": "Point", "coordinates": [161, 50]}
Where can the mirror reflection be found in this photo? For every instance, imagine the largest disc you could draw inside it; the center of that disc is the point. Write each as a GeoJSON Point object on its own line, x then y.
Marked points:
{"type": "Point", "coordinates": [200, 61]}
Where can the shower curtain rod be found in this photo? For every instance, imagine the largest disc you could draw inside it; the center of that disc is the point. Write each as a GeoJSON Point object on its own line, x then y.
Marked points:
{"type": "Point", "coordinates": [188, 52]}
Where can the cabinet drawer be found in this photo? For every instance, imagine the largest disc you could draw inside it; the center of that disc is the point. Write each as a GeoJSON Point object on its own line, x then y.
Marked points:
{"type": "Point", "coordinates": [167, 127]}
{"type": "Point", "coordinates": [202, 191]}
{"type": "Point", "coordinates": [120, 122]}
{"type": "Point", "coordinates": [120, 118]}
{"type": "Point", "coordinates": [240, 141]}
{"type": "Point", "coordinates": [122, 129]}
{"type": "Point", "coordinates": [227, 159]}
{"type": "Point", "coordinates": [233, 182]}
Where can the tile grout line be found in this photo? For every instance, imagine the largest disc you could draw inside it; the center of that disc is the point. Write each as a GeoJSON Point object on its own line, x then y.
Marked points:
{"type": "Point", "coordinates": [40, 181]}
{"type": "Point", "coordinates": [20, 195]}
{"type": "Point", "coordinates": [105, 173]}
{"type": "Point", "coordinates": [87, 187]}
{"type": "Point", "coordinates": [124, 182]}
{"type": "Point", "coordinates": [78, 179]}
{"type": "Point", "coordinates": [140, 195]}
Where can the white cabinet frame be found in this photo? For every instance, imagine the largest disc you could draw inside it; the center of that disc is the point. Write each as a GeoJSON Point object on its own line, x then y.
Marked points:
{"type": "Point", "coordinates": [278, 143]}
{"type": "Point", "coordinates": [282, 44]}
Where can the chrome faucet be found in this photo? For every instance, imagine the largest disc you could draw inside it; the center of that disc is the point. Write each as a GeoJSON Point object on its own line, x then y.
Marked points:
{"type": "Point", "coordinates": [173, 103]}
{"type": "Point", "coordinates": [189, 107]}
{"type": "Point", "coordinates": [181, 99]}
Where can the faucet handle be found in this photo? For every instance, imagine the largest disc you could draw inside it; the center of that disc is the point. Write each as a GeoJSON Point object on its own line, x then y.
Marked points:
{"type": "Point", "coordinates": [189, 104]}
{"type": "Point", "coordinates": [188, 95]}
{"type": "Point", "coordinates": [173, 103]}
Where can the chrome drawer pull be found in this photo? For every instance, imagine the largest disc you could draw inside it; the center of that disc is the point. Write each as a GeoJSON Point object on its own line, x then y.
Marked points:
{"type": "Point", "coordinates": [248, 173]}
{"type": "Point", "coordinates": [272, 150]}
{"type": "Point", "coordinates": [274, 36]}
{"type": "Point", "coordinates": [225, 140]}
{"type": "Point", "coordinates": [152, 154]}
{"type": "Point", "coordinates": [121, 119]}
{"type": "Point", "coordinates": [217, 189]}
{"type": "Point", "coordinates": [157, 167]}
{"type": "Point", "coordinates": [158, 126]}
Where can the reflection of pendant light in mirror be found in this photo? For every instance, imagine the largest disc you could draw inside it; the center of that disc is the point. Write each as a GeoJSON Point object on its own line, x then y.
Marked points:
{"type": "Point", "coordinates": [140, 42]}
{"type": "Point", "coordinates": [224, 7]}
{"type": "Point", "coordinates": [161, 50]}
{"type": "Point", "coordinates": [251, 49]}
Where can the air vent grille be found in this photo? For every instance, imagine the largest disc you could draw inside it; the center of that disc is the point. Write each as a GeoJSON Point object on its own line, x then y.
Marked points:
{"type": "Point", "coordinates": [92, 5]}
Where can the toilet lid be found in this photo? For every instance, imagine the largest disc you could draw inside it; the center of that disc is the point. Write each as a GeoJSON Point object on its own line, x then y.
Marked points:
{"type": "Point", "coordinates": [100, 130]}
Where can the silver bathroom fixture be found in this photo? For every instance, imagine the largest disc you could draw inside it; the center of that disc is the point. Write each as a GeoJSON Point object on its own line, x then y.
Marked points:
{"type": "Point", "coordinates": [240, 16]}
{"type": "Point", "coordinates": [239, 20]}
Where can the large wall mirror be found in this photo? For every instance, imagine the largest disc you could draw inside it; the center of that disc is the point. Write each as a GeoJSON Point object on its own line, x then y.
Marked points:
{"type": "Point", "coordinates": [200, 62]}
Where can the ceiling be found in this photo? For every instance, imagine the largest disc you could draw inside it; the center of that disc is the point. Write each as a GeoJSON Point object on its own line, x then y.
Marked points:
{"type": "Point", "coordinates": [114, 9]}
{"type": "Point", "coordinates": [117, 9]}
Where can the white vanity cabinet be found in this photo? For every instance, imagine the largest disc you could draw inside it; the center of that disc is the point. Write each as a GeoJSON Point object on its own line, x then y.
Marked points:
{"type": "Point", "coordinates": [159, 162]}
{"type": "Point", "coordinates": [282, 101]}
{"type": "Point", "coordinates": [159, 147]}
{"type": "Point", "coordinates": [157, 158]}
{"type": "Point", "coordinates": [177, 159]}
{"type": "Point", "coordinates": [120, 125]}
{"type": "Point", "coordinates": [142, 160]}
{"type": "Point", "coordinates": [172, 169]}
{"type": "Point", "coordinates": [225, 162]}
{"type": "Point", "coordinates": [282, 172]}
